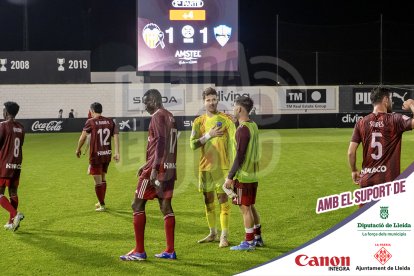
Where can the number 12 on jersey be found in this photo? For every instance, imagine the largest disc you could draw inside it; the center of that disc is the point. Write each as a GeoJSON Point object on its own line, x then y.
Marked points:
{"type": "Point", "coordinates": [104, 132]}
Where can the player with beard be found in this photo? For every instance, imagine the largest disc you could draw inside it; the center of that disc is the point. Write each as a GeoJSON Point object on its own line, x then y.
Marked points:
{"type": "Point", "coordinates": [380, 133]}
{"type": "Point", "coordinates": [213, 132]}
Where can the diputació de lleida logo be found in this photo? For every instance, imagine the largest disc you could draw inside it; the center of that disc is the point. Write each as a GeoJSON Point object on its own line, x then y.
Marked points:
{"type": "Point", "coordinates": [384, 212]}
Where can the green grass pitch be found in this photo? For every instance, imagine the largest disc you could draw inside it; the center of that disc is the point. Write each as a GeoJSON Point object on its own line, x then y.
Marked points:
{"type": "Point", "coordinates": [62, 234]}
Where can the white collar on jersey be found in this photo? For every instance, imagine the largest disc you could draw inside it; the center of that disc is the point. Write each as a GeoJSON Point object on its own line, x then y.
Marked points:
{"type": "Point", "coordinates": [156, 112]}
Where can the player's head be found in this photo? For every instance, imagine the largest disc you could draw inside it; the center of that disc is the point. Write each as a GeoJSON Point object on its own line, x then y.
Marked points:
{"type": "Point", "coordinates": [96, 108]}
{"type": "Point", "coordinates": [381, 96]}
{"type": "Point", "coordinates": [210, 99]}
{"type": "Point", "coordinates": [152, 100]}
{"type": "Point", "coordinates": [10, 110]}
{"type": "Point", "coordinates": [242, 106]}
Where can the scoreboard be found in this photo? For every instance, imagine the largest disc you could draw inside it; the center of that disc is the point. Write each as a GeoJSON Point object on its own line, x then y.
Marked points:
{"type": "Point", "coordinates": [187, 35]}
{"type": "Point", "coordinates": [36, 67]}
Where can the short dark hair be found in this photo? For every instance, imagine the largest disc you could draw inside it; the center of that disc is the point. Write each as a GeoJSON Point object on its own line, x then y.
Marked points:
{"type": "Point", "coordinates": [12, 108]}
{"type": "Point", "coordinates": [96, 107]}
{"type": "Point", "coordinates": [155, 94]}
{"type": "Point", "coordinates": [245, 102]}
{"type": "Point", "coordinates": [378, 93]}
{"type": "Point", "coordinates": [209, 91]}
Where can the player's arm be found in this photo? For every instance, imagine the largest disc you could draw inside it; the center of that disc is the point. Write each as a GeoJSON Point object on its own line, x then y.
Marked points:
{"type": "Point", "coordinates": [196, 140]}
{"type": "Point", "coordinates": [81, 141]}
{"type": "Point", "coordinates": [87, 143]}
{"type": "Point", "coordinates": [160, 134]}
{"type": "Point", "coordinates": [352, 151]}
{"type": "Point", "coordinates": [116, 142]}
{"type": "Point", "coordinates": [242, 139]}
{"type": "Point", "coordinates": [409, 105]}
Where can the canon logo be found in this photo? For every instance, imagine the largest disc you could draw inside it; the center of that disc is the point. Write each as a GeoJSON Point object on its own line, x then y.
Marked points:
{"type": "Point", "coordinates": [303, 260]}
{"type": "Point", "coordinates": [48, 126]}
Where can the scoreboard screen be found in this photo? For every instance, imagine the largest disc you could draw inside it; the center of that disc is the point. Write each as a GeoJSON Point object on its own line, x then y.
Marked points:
{"type": "Point", "coordinates": [187, 35]}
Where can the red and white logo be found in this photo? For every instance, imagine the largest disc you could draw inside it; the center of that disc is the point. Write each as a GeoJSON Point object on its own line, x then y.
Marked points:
{"type": "Point", "coordinates": [304, 260]}
{"type": "Point", "coordinates": [383, 255]}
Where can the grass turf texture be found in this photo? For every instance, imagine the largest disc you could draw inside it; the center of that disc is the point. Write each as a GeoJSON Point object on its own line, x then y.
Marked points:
{"type": "Point", "coordinates": [63, 234]}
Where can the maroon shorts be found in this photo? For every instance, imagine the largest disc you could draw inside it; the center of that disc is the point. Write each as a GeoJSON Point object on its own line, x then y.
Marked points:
{"type": "Point", "coordinates": [9, 182]}
{"type": "Point", "coordinates": [98, 169]}
{"type": "Point", "coordinates": [146, 190]}
{"type": "Point", "coordinates": [246, 193]}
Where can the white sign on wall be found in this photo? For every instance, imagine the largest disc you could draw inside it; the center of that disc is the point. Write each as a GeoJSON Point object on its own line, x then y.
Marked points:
{"type": "Point", "coordinates": [227, 96]}
{"type": "Point", "coordinates": [172, 99]}
{"type": "Point", "coordinates": [307, 98]}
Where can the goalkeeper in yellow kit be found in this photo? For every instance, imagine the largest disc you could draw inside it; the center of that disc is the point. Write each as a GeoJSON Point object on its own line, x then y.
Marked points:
{"type": "Point", "coordinates": [214, 132]}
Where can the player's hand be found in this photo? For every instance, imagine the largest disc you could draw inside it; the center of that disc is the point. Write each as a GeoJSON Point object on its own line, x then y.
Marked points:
{"type": "Point", "coordinates": [356, 177]}
{"type": "Point", "coordinates": [229, 183]}
{"type": "Point", "coordinates": [153, 178]}
{"type": "Point", "coordinates": [216, 132]}
{"type": "Point", "coordinates": [116, 157]}
{"type": "Point", "coordinates": [78, 153]}
{"type": "Point", "coordinates": [140, 170]}
{"type": "Point", "coordinates": [408, 104]}
{"type": "Point", "coordinates": [154, 174]}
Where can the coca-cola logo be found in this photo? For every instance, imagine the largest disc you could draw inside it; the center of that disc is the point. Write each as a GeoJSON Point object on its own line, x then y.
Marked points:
{"type": "Point", "coordinates": [54, 126]}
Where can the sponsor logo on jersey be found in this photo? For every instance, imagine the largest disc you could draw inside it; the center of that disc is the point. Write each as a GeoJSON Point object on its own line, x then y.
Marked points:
{"type": "Point", "coordinates": [104, 152]}
{"type": "Point", "coordinates": [53, 126]}
{"type": "Point", "coordinates": [13, 166]}
{"type": "Point", "coordinates": [168, 166]}
{"type": "Point", "coordinates": [379, 169]}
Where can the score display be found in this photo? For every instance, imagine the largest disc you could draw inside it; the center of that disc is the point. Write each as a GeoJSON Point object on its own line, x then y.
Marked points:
{"type": "Point", "coordinates": [187, 35]}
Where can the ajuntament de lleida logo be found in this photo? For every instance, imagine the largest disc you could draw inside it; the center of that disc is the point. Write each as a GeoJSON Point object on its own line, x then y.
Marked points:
{"type": "Point", "coordinates": [384, 212]}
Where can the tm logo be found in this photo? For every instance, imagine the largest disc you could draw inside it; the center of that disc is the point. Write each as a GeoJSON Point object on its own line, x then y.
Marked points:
{"type": "Point", "coordinates": [305, 96]}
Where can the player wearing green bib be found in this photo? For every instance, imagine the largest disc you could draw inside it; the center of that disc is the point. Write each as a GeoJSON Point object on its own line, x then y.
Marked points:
{"type": "Point", "coordinates": [213, 132]}
{"type": "Point", "coordinates": [243, 174]}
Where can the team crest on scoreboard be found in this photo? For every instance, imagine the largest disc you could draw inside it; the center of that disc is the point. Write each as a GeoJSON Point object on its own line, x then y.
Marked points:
{"type": "Point", "coordinates": [384, 212]}
{"type": "Point", "coordinates": [222, 34]}
{"type": "Point", "coordinates": [153, 36]}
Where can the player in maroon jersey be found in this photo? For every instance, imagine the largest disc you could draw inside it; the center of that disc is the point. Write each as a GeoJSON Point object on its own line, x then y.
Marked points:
{"type": "Point", "coordinates": [380, 133]}
{"type": "Point", "coordinates": [11, 142]}
{"type": "Point", "coordinates": [101, 130]}
{"type": "Point", "coordinates": [156, 177]}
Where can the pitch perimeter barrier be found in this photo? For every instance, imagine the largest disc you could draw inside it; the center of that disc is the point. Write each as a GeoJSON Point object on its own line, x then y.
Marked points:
{"type": "Point", "coordinates": [273, 121]}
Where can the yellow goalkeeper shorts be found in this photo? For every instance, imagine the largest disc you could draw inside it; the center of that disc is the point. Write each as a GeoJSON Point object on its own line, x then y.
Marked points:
{"type": "Point", "coordinates": [210, 181]}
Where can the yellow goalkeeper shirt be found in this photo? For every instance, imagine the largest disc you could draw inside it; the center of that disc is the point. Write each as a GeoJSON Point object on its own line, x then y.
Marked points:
{"type": "Point", "coordinates": [218, 152]}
